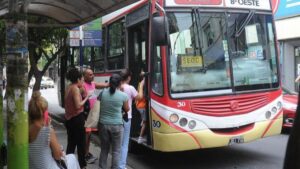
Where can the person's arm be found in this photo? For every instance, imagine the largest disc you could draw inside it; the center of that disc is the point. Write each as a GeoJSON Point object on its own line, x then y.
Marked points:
{"type": "Point", "coordinates": [297, 79]}
{"type": "Point", "coordinates": [57, 153]}
{"type": "Point", "coordinates": [77, 97]}
{"type": "Point", "coordinates": [99, 85]}
{"type": "Point", "coordinates": [125, 106]}
{"type": "Point", "coordinates": [140, 90]}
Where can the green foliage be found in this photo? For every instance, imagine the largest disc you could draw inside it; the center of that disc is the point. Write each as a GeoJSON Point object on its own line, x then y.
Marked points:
{"type": "Point", "coordinates": [45, 44]}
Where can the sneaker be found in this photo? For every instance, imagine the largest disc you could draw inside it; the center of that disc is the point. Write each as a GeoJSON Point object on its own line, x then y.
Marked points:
{"type": "Point", "coordinates": [141, 140]}
{"type": "Point", "coordinates": [90, 158]}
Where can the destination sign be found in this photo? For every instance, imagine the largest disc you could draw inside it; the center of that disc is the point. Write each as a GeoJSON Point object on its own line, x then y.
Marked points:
{"type": "Point", "coordinates": [249, 4]}
{"type": "Point", "coordinates": [246, 4]}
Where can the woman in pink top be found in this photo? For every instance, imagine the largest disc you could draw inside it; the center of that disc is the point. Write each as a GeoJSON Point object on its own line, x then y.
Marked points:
{"type": "Point", "coordinates": [74, 116]}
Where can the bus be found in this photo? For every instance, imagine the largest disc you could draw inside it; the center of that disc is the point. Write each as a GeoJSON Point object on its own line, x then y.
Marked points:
{"type": "Point", "coordinates": [212, 71]}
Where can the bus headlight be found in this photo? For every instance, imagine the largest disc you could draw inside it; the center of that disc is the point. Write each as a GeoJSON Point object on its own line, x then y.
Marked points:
{"type": "Point", "coordinates": [274, 110]}
{"type": "Point", "coordinates": [268, 114]}
{"type": "Point", "coordinates": [183, 122]}
{"type": "Point", "coordinates": [174, 118]}
{"type": "Point", "coordinates": [279, 105]}
{"type": "Point", "coordinates": [192, 124]}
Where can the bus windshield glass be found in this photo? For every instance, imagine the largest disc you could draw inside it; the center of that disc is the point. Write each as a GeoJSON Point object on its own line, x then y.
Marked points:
{"type": "Point", "coordinates": [221, 52]}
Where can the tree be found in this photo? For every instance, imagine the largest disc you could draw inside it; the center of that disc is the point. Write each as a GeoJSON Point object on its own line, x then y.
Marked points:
{"type": "Point", "coordinates": [45, 43]}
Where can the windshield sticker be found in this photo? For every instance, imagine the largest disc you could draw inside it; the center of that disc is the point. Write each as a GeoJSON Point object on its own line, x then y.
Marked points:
{"type": "Point", "coordinates": [255, 52]}
{"type": "Point", "coordinates": [189, 63]}
{"type": "Point", "coordinates": [225, 47]}
{"type": "Point", "coordinates": [251, 34]}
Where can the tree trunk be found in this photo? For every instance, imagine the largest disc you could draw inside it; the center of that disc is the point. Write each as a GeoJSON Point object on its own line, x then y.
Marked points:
{"type": "Point", "coordinates": [17, 90]}
{"type": "Point", "coordinates": [1, 108]}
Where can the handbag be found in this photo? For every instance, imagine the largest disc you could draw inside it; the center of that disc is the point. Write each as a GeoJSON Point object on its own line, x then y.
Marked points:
{"type": "Point", "coordinates": [61, 164]}
{"type": "Point", "coordinates": [93, 116]}
{"type": "Point", "coordinates": [86, 108]}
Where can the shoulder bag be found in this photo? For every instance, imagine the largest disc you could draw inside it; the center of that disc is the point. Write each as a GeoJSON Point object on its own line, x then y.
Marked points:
{"type": "Point", "coordinates": [93, 116]}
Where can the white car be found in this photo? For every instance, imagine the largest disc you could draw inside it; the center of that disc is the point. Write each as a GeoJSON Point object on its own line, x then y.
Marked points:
{"type": "Point", "coordinates": [49, 83]}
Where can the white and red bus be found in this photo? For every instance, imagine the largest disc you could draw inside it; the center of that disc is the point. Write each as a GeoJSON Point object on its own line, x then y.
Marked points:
{"type": "Point", "coordinates": [213, 77]}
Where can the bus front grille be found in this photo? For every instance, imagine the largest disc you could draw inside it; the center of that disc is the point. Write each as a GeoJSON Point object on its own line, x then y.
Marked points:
{"type": "Point", "coordinates": [228, 106]}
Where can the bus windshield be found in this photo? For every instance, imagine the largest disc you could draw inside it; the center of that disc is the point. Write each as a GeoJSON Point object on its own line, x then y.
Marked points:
{"type": "Point", "coordinates": [225, 52]}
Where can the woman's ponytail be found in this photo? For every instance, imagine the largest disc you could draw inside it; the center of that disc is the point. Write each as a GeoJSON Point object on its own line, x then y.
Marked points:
{"type": "Point", "coordinates": [114, 83]}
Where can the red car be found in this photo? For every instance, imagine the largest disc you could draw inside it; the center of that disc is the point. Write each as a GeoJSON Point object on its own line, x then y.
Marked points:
{"type": "Point", "coordinates": [290, 100]}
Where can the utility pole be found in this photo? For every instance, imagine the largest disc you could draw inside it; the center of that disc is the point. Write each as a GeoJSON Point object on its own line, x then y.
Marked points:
{"type": "Point", "coordinates": [16, 90]}
{"type": "Point", "coordinates": [2, 155]}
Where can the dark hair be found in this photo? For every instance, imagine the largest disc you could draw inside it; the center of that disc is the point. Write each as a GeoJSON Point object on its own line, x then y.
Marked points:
{"type": "Point", "coordinates": [125, 74]}
{"type": "Point", "coordinates": [114, 82]}
{"type": "Point", "coordinates": [73, 75]}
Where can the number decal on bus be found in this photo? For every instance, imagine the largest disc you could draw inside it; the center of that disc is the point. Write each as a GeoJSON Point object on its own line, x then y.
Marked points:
{"type": "Point", "coordinates": [156, 124]}
{"type": "Point", "coordinates": [181, 104]}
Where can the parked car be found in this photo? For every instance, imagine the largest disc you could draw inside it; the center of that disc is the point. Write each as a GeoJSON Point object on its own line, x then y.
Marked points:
{"type": "Point", "coordinates": [290, 100]}
{"type": "Point", "coordinates": [44, 84]}
{"type": "Point", "coordinates": [47, 82]}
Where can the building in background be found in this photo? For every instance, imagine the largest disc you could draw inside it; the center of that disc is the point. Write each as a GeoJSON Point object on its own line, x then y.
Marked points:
{"type": "Point", "coordinates": [287, 16]}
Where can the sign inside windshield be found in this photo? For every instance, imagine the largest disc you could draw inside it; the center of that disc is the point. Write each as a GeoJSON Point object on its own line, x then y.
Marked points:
{"type": "Point", "coordinates": [189, 63]}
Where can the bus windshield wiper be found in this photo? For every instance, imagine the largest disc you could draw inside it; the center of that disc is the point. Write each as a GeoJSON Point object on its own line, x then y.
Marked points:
{"type": "Point", "coordinates": [245, 22]}
{"type": "Point", "coordinates": [197, 29]}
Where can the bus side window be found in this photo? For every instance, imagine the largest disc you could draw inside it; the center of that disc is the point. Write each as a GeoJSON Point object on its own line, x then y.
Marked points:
{"type": "Point", "coordinates": [116, 45]}
{"type": "Point", "coordinates": [100, 53]}
{"type": "Point", "coordinates": [156, 79]}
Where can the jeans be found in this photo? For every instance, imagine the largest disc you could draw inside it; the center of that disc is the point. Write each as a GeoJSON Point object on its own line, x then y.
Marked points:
{"type": "Point", "coordinates": [76, 137]}
{"type": "Point", "coordinates": [110, 135]}
{"type": "Point", "coordinates": [125, 142]}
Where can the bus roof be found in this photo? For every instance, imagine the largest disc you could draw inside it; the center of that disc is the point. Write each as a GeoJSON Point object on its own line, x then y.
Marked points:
{"type": "Point", "coordinates": [121, 12]}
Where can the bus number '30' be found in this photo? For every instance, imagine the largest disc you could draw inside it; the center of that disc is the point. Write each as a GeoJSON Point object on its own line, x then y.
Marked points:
{"type": "Point", "coordinates": [156, 124]}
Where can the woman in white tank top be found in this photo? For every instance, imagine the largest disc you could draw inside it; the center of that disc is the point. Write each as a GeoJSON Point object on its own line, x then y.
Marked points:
{"type": "Point", "coordinates": [44, 148]}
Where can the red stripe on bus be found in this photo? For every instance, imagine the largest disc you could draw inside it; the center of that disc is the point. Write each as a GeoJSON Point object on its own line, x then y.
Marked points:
{"type": "Point", "coordinates": [271, 123]}
{"type": "Point", "coordinates": [102, 74]}
{"type": "Point", "coordinates": [178, 128]}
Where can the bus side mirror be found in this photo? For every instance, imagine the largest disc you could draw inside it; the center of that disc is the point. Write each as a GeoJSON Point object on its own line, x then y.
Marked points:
{"type": "Point", "coordinates": [160, 30]}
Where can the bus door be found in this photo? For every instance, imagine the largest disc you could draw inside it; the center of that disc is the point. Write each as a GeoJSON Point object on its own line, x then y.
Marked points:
{"type": "Point", "coordinates": [137, 49]}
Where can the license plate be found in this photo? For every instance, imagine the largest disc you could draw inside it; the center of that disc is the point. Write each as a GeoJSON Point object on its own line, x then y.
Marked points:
{"type": "Point", "coordinates": [236, 140]}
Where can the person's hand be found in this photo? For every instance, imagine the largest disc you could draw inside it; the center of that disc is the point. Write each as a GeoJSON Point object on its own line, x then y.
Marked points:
{"type": "Point", "coordinates": [89, 94]}
{"type": "Point", "coordinates": [143, 82]}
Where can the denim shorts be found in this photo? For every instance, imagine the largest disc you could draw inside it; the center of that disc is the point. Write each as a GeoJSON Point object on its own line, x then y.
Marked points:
{"type": "Point", "coordinates": [143, 114]}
